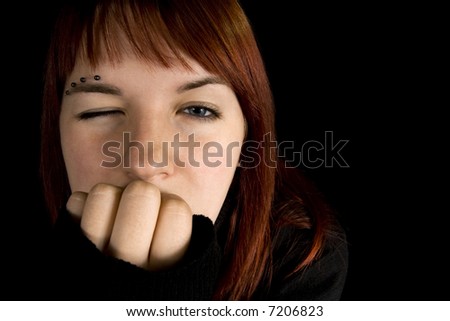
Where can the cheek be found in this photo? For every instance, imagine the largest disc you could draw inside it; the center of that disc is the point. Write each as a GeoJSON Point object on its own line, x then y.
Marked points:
{"type": "Point", "coordinates": [220, 156]}
{"type": "Point", "coordinates": [83, 158]}
{"type": "Point", "coordinates": [210, 151]}
{"type": "Point", "coordinates": [210, 181]}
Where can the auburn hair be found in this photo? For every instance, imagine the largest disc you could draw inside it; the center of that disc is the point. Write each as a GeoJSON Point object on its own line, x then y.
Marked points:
{"type": "Point", "coordinates": [219, 36]}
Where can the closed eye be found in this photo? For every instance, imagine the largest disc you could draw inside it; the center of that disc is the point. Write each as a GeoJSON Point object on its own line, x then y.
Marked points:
{"type": "Point", "coordinates": [99, 113]}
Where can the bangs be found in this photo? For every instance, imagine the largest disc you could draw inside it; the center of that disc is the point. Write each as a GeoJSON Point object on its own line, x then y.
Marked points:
{"type": "Point", "coordinates": [125, 28]}
{"type": "Point", "coordinates": [216, 34]}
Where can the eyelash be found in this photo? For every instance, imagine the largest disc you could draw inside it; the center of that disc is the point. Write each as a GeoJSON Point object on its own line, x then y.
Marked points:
{"type": "Point", "coordinates": [214, 113]}
{"type": "Point", "coordinates": [93, 114]}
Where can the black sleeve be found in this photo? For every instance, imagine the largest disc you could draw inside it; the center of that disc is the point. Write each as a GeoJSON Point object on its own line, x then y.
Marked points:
{"type": "Point", "coordinates": [82, 272]}
{"type": "Point", "coordinates": [323, 280]}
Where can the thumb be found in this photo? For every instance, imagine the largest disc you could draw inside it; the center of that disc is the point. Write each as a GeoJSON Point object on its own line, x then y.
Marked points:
{"type": "Point", "coordinates": [75, 204]}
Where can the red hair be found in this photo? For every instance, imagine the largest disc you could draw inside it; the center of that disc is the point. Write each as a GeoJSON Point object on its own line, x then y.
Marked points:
{"type": "Point", "coordinates": [219, 37]}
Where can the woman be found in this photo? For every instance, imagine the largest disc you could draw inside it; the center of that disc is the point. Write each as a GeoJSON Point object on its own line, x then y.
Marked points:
{"type": "Point", "coordinates": [162, 178]}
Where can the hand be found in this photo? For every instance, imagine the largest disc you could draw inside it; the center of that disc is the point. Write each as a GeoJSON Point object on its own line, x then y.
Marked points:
{"type": "Point", "coordinates": [138, 224]}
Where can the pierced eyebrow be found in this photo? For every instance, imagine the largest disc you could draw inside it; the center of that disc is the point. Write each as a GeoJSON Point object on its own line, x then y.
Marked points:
{"type": "Point", "coordinates": [200, 83]}
{"type": "Point", "coordinates": [96, 88]}
{"type": "Point", "coordinates": [113, 90]}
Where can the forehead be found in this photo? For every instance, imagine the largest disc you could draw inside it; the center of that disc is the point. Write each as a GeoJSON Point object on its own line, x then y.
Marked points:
{"type": "Point", "coordinates": [133, 77]}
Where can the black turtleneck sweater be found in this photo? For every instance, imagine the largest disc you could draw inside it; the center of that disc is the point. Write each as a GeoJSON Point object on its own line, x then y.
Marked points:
{"type": "Point", "coordinates": [76, 270]}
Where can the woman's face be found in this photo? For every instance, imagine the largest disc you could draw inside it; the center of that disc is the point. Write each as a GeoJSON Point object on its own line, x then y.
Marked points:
{"type": "Point", "coordinates": [181, 130]}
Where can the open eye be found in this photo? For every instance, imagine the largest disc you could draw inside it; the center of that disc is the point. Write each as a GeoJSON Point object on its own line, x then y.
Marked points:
{"type": "Point", "coordinates": [199, 111]}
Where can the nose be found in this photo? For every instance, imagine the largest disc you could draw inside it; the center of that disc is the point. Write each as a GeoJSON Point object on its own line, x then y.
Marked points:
{"type": "Point", "coordinates": [146, 152]}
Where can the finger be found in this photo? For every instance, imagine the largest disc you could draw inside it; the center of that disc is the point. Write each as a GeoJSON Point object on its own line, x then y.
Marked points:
{"type": "Point", "coordinates": [135, 223]}
{"type": "Point", "coordinates": [99, 213]}
{"type": "Point", "coordinates": [172, 233]}
{"type": "Point", "coordinates": [75, 204]}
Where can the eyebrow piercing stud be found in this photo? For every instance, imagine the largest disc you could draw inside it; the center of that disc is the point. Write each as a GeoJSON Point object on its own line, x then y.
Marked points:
{"type": "Point", "coordinates": [82, 80]}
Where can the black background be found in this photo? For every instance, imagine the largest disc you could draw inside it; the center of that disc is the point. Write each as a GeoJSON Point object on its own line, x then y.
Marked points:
{"type": "Point", "coordinates": [339, 68]}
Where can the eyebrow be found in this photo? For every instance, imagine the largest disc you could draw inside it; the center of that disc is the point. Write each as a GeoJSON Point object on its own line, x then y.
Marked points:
{"type": "Point", "coordinates": [97, 88]}
{"type": "Point", "coordinates": [200, 83]}
{"type": "Point", "coordinates": [113, 90]}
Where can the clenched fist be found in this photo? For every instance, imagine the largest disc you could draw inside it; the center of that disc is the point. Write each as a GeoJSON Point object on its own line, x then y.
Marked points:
{"type": "Point", "coordinates": [138, 223]}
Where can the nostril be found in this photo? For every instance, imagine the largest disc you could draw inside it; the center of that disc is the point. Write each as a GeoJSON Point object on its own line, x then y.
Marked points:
{"type": "Point", "coordinates": [148, 176]}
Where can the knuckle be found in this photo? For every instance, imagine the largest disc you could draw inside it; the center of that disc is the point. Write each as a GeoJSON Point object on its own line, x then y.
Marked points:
{"type": "Point", "coordinates": [176, 205]}
{"type": "Point", "coordinates": [78, 196]}
{"type": "Point", "coordinates": [142, 189]}
{"type": "Point", "coordinates": [104, 189]}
